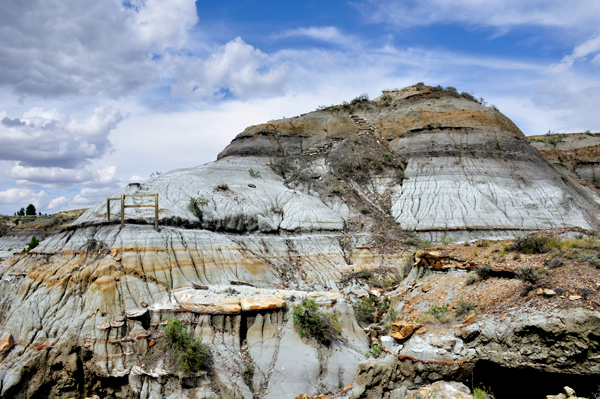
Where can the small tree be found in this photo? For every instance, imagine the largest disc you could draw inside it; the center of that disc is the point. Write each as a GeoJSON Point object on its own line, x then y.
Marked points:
{"type": "Point", "coordinates": [30, 211]}
{"type": "Point", "coordinates": [21, 212]}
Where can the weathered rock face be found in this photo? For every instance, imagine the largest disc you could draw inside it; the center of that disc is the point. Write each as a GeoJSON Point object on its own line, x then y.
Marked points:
{"type": "Point", "coordinates": [470, 173]}
{"type": "Point", "coordinates": [292, 210]}
{"type": "Point", "coordinates": [577, 152]}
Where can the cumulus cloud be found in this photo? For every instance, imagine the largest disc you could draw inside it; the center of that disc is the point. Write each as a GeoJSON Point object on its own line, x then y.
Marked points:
{"type": "Point", "coordinates": [236, 67]}
{"type": "Point", "coordinates": [499, 14]}
{"type": "Point", "coordinates": [53, 140]}
{"type": "Point", "coordinates": [20, 196]}
{"type": "Point", "coordinates": [58, 204]}
{"type": "Point", "coordinates": [53, 48]}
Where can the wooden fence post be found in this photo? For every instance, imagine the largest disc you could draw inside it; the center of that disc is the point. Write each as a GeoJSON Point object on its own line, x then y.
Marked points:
{"type": "Point", "coordinates": [122, 210]}
{"type": "Point", "coordinates": [156, 211]}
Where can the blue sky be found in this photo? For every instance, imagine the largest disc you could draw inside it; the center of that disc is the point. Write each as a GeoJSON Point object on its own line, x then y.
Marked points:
{"type": "Point", "coordinates": [94, 96]}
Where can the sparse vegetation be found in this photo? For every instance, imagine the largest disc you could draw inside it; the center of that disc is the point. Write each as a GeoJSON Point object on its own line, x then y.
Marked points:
{"type": "Point", "coordinates": [483, 243]}
{"type": "Point", "coordinates": [482, 393]}
{"type": "Point", "coordinates": [222, 187]}
{"type": "Point", "coordinates": [483, 271]}
{"type": "Point", "coordinates": [374, 351]}
{"type": "Point", "coordinates": [436, 314]}
{"type": "Point", "coordinates": [254, 173]}
{"type": "Point", "coordinates": [464, 307]}
{"type": "Point", "coordinates": [32, 244]}
{"type": "Point", "coordinates": [368, 310]}
{"type": "Point", "coordinates": [336, 190]}
{"type": "Point", "coordinates": [532, 244]}
{"type": "Point", "coordinates": [445, 241]}
{"type": "Point", "coordinates": [425, 244]}
{"type": "Point", "coordinates": [550, 138]}
{"type": "Point", "coordinates": [281, 166]}
{"type": "Point", "coordinates": [191, 354]}
{"type": "Point", "coordinates": [248, 373]}
{"type": "Point", "coordinates": [311, 322]}
{"type": "Point", "coordinates": [471, 279]}
{"type": "Point", "coordinates": [527, 274]}
{"type": "Point", "coordinates": [196, 205]}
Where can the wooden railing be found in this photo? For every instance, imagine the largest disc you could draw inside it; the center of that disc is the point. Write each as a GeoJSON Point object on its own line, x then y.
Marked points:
{"type": "Point", "coordinates": [123, 206]}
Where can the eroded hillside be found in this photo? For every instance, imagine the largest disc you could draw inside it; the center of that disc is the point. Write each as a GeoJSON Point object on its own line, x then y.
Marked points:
{"type": "Point", "coordinates": [326, 212]}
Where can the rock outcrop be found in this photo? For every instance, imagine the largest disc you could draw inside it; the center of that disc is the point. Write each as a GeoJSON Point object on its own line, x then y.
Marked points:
{"type": "Point", "coordinates": [322, 207]}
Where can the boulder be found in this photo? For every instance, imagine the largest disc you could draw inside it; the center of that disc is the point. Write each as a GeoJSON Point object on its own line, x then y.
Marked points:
{"type": "Point", "coordinates": [402, 330]}
{"type": "Point", "coordinates": [7, 342]}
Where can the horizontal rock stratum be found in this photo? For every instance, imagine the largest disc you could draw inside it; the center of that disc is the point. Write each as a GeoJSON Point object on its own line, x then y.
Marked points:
{"type": "Point", "coordinates": [469, 172]}
{"type": "Point", "coordinates": [295, 209]}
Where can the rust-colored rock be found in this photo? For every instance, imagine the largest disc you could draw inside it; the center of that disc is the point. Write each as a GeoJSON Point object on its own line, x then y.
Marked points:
{"type": "Point", "coordinates": [7, 342]}
{"type": "Point", "coordinates": [403, 330]}
{"type": "Point", "coordinates": [262, 303]}
{"type": "Point", "coordinates": [438, 259]}
{"type": "Point", "coordinates": [469, 319]}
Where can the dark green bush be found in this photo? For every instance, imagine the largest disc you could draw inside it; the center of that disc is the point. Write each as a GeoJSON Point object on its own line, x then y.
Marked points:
{"type": "Point", "coordinates": [196, 204]}
{"type": "Point", "coordinates": [464, 307]}
{"type": "Point", "coordinates": [311, 322]}
{"type": "Point", "coordinates": [533, 244]}
{"type": "Point", "coordinates": [483, 271]}
{"type": "Point", "coordinates": [32, 244]}
{"type": "Point", "coordinates": [527, 274]}
{"type": "Point", "coordinates": [191, 354]}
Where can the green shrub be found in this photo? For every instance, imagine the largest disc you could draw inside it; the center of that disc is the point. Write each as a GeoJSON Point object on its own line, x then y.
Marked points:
{"type": "Point", "coordinates": [375, 350]}
{"type": "Point", "coordinates": [248, 373]}
{"type": "Point", "coordinates": [366, 309]}
{"type": "Point", "coordinates": [445, 241]}
{"type": "Point", "coordinates": [527, 274]}
{"type": "Point", "coordinates": [311, 322]}
{"type": "Point", "coordinates": [482, 393]}
{"type": "Point", "coordinates": [483, 271]}
{"type": "Point", "coordinates": [336, 190]}
{"type": "Point", "coordinates": [440, 314]}
{"type": "Point", "coordinates": [425, 244]}
{"type": "Point", "coordinates": [471, 279]}
{"type": "Point", "coordinates": [196, 204]}
{"type": "Point", "coordinates": [253, 173]}
{"type": "Point", "coordinates": [191, 354]}
{"type": "Point", "coordinates": [483, 243]}
{"type": "Point", "coordinates": [592, 260]}
{"type": "Point", "coordinates": [533, 244]}
{"type": "Point", "coordinates": [464, 307]}
{"type": "Point", "coordinates": [281, 166]}
{"type": "Point", "coordinates": [360, 99]}
{"type": "Point", "coordinates": [32, 244]}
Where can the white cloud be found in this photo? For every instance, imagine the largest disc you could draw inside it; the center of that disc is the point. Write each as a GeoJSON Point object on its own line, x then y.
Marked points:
{"type": "Point", "coordinates": [53, 140]}
{"type": "Point", "coordinates": [22, 197]}
{"type": "Point", "coordinates": [590, 46]}
{"type": "Point", "coordinates": [500, 13]}
{"type": "Point", "coordinates": [329, 34]}
{"type": "Point", "coordinates": [236, 67]}
{"type": "Point", "coordinates": [90, 196]}
{"type": "Point", "coordinates": [62, 178]}
{"type": "Point", "coordinates": [53, 48]}
{"type": "Point", "coordinates": [58, 204]}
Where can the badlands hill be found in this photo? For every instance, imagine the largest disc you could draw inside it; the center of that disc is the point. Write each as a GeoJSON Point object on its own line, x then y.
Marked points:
{"type": "Point", "coordinates": [330, 206]}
